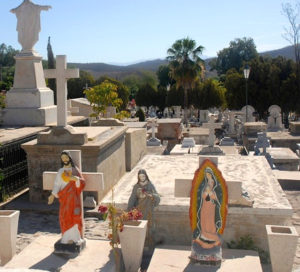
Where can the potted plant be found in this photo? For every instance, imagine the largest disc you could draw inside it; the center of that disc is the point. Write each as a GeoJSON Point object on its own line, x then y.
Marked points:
{"type": "Point", "coordinates": [127, 230]}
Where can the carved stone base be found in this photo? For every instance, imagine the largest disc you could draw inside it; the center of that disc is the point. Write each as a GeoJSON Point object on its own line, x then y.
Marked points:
{"type": "Point", "coordinates": [153, 142]}
{"type": "Point", "coordinates": [211, 150]}
{"type": "Point", "coordinates": [69, 249]}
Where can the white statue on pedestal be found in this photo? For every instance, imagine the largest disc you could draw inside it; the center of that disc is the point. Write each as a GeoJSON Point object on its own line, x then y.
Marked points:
{"type": "Point", "coordinates": [29, 25]}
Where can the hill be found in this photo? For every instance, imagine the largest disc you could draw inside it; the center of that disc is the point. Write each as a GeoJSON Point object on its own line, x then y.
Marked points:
{"type": "Point", "coordinates": [119, 72]}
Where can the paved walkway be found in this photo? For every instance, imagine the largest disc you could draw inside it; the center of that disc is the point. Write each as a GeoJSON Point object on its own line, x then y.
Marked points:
{"type": "Point", "coordinates": [35, 223]}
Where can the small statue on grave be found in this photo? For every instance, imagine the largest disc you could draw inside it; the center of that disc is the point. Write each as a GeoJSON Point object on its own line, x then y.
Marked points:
{"type": "Point", "coordinates": [208, 210]}
{"type": "Point", "coordinates": [144, 197]}
{"type": "Point", "coordinates": [68, 186]}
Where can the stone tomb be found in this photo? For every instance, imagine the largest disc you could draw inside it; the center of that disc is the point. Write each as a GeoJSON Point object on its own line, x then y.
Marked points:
{"type": "Point", "coordinates": [284, 139]}
{"type": "Point", "coordinates": [102, 151]}
{"type": "Point", "coordinates": [172, 215]}
{"type": "Point", "coordinates": [250, 133]}
{"type": "Point", "coordinates": [275, 118]}
{"type": "Point", "coordinates": [199, 134]}
{"type": "Point", "coordinates": [284, 158]}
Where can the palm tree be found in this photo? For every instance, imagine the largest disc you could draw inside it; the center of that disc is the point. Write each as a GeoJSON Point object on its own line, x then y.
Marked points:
{"type": "Point", "coordinates": [185, 66]}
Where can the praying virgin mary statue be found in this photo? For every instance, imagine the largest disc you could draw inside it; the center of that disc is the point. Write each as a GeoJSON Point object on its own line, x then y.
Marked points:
{"type": "Point", "coordinates": [29, 25]}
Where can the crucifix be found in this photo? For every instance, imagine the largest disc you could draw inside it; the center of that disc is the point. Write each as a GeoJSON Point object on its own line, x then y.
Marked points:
{"type": "Point", "coordinates": [61, 74]}
{"type": "Point", "coordinates": [71, 204]}
{"type": "Point", "coordinates": [212, 126]}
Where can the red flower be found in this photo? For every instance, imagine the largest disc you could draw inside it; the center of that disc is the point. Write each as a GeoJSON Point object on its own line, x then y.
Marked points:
{"type": "Point", "coordinates": [102, 209]}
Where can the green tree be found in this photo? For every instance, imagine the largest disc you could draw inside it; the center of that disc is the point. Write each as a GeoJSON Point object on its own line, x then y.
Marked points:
{"type": "Point", "coordinates": [132, 82]}
{"type": "Point", "coordinates": [163, 75]}
{"type": "Point", "coordinates": [185, 66]}
{"type": "Point", "coordinates": [239, 51]}
{"type": "Point", "coordinates": [103, 95]}
{"type": "Point", "coordinates": [122, 90]}
{"type": "Point", "coordinates": [146, 95]}
{"type": "Point", "coordinates": [51, 65]}
{"type": "Point", "coordinates": [7, 54]}
{"type": "Point", "coordinates": [76, 86]}
{"type": "Point", "coordinates": [209, 94]}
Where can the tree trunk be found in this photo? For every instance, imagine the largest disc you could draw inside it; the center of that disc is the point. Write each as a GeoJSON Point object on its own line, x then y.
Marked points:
{"type": "Point", "coordinates": [185, 102]}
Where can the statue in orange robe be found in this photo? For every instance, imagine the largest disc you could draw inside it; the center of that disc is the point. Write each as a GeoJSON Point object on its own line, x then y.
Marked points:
{"type": "Point", "coordinates": [68, 186]}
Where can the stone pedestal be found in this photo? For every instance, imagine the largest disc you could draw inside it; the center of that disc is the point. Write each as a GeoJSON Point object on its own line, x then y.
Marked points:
{"type": "Point", "coordinates": [29, 102]}
{"type": "Point", "coordinates": [295, 127]}
{"type": "Point", "coordinates": [211, 150]}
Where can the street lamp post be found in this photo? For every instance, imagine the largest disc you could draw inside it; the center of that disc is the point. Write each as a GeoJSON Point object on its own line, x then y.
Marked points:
{"type": "Point", "coordinates": [246, 75]}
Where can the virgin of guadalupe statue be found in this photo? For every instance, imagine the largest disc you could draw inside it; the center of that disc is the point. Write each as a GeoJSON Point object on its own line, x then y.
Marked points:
{"type": "Point", "coordinates": [144, 197]}
{"type": "Point", "coordinates": [208, 210]}
{"type": "Point", "coordinates": [68, 186]}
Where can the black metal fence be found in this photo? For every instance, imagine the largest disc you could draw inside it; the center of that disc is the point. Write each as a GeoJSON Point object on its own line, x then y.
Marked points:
{"type": "Point", "coordinates": [13, 165]}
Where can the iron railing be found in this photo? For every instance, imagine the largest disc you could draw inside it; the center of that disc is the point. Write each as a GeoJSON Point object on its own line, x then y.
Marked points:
{"type": "Point", "coordinates": [13, 165]}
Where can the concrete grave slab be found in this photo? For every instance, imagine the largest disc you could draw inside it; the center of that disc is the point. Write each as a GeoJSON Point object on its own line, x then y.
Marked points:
{"type": "Point", "coordinates": [289, 180]}
{"type": "Point", "coordinates": [39, 255]}
{"type": "Point", "coordinates": [176, 258]}
{"type": "Point", "coordinates": [171, 216]}
{"type": "Point", "coordinates": [284, 158]}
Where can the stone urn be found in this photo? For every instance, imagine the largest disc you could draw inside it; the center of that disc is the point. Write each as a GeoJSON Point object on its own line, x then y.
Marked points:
{"type": "Point", "coordinates": [132, 240]}
{"type": "Point", "coordinates": [282, 242]}
{"type": "Point", "coordinates": [9, 221]}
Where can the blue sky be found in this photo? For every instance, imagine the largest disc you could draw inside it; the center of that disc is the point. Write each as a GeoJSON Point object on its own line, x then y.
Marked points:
{"type": "Point", "coordinates": [127, 31]}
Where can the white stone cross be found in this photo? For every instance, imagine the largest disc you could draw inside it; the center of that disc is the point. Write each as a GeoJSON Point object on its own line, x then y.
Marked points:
{"type": "Point", "coordinates": [93, 181]}
{"type": "Point", "coordinates": [61, 74]}
{"type": "Point", "coordinates": [153, 124]}
{"type": "Point", "coordinates": [212, 126]}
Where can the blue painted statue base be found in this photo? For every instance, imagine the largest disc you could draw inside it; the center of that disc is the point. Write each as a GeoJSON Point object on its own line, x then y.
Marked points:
{"type": "Point", "coordinates": [206, 256]}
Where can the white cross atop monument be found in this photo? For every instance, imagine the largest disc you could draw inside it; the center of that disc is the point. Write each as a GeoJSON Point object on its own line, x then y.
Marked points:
{"type": "Point", "coordinates": [61, 74]}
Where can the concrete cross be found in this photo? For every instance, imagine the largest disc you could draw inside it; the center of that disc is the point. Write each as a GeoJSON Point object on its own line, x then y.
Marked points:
{"type": "Point", "coordinates": [212, 126]}
{"type": "Point", "coordinates": [61, 74]}
{"type": "Point", "coordinates": [93, 181]}
{"type": "Point", "coordinates": [153, 124]}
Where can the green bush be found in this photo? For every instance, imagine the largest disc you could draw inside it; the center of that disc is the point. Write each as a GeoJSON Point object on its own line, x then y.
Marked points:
{"type": "Point", "coordinates": [140, 114]}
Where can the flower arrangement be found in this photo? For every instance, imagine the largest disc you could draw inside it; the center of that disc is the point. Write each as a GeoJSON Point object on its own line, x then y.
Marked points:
{"type": "Point", "coordinates": [117, 218]}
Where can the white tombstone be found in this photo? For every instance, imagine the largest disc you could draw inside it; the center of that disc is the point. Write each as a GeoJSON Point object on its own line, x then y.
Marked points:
{"type": "Point", "coordinates": [61, 74]}
{"type": "Point", "coordinates": [261, 142]}
{"type": "Point", "coordinates": [110, 112]}
{"type": "Point", "coordinates": [275, 118]}
{"type": "Point", "coordinates": [250, 110]}
{"type": "Point", "coordinates": [177, 111]}
{"type": "Point", "coordinates": [153, 141]}
{"type": "Point", "coordinates": [204, 116]}
{"type": "Point", "coordinates": [71, 110]}
{"type": "Point", "coordinates": [29, 102]}
{"type": "Point", "coordinates": [231, 123]}
{"type": "Point", "coordinates": [188, 142]}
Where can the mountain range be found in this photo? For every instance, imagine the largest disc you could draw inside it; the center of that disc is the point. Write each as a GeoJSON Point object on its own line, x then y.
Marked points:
{"type": "Point", "coordinates": [119, 72]}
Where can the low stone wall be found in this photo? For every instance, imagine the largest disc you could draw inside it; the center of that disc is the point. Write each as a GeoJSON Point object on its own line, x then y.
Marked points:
{"type": "Point", "coordinates": [135, 146]}
{"type": "Point", "coordinates": [174, 227]}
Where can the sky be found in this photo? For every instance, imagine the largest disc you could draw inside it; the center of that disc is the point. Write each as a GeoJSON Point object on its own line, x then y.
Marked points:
{"type": "Point", "coordinates": [129, 31]}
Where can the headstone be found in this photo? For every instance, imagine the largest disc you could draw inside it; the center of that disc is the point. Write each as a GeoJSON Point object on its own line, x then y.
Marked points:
{"type": "Point", "coordinates": [211, 149]}
{"type": "Point", "coordinates": [250, 110]}
{"type": "Point", "coordinates": [68, 186]}
{"type": "Point", "coordinates": [177, 111]}
{"type": "Point", "coordinates": [208, 212]}
{"type": "Point", "coordinates": [29, 102]}
{"type": "Point", "coordinates": [275, 118]}
{"type": "Point", "coordinates": [204, 116]}
{"type": "Point", "coordinates": [261, 142]}
{"type": "Point", "coordinates": [227, 141]}
{"type": "Point", "coordinates": [188, 142]}
{"type": "Point", "coordinates": [71, 110]}
{"type": "Point", "coordinates": [153, 141]}
{"type": "Point", "coordinates": [110, 112]}
{"type": "Point", "coordinates": [231, 129]}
